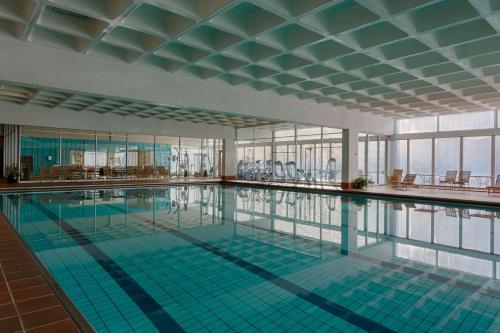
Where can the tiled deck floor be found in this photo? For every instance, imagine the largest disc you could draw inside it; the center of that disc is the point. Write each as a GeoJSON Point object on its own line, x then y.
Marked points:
{"type": "Point", "coordinates": [471, 197]}
{"type": "Point", "coordinates": [103, 183]}
{"type": "Point", "coordinates": [27, 303]}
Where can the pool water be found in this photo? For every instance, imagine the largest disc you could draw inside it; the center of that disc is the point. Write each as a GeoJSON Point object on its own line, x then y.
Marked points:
{"type": "Point", "coordinates": [212, 259]}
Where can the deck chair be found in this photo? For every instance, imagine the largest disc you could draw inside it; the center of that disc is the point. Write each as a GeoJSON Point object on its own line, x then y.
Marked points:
{"type": "Point", "coordinates": [449, 178]}
{"type": "Point", "coordinates": [451, 212]}
{"type": "Point", "coordinates": [408, 180]}
{"type": "Point", "coordinates": [463, 179]}
{"type": "Point", "coordinates": [495, 188]}
{"type": "Point", "coordinates": [45, 174]}
{"type": "Point", "coordinates": [397, 175]}
{"type": "Point", "coordinates": [464, 213]}
{"type": "Point", "coordinates": [56, 172]}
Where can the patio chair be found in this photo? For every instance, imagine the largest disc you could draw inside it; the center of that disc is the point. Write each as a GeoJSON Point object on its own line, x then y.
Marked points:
{"type": "Point", "coordinates": [162, 172]}
{"type": "Point", "coordinates": [451, 212]}
{"type": "Point", "coordinates": [56, 172]}
{"type": "Point", "coordinates": [496, 187]}
{"type": "Point", "coordinates": [397, 175]}
{"type": "Point", "coordinates": [448, 179]}
{"type": "Point", "coordinates": [45, 174]}
{"type": "Point", "coordinates": [408, 180]}
{"type": "Point", "coordinates": [463, 179]}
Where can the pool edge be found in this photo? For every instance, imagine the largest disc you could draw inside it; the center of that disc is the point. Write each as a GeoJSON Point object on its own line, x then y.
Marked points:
{"type": "Point", "coordinates": [75, 315]}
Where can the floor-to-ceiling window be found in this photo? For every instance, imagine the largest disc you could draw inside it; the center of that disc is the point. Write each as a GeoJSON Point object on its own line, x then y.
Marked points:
{"type": "Point", "coordinates": [421, 159]}
{"type": "Point", "coordinates": [447, 155]}
{"type": "Point", "coordinates": [61, 154]}
{"type": "Point", "coordinates": [477, 155]}
{"type": "Point", "coordinates": [400, 155]}
{"type": "Point", "coordinates": [289, 153]}
{"type": "Point", "coordinates": [459, 142]}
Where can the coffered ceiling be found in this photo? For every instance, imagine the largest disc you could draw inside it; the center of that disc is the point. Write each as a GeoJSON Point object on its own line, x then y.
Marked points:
{"type": "Point", "coordinates": [390, 57]}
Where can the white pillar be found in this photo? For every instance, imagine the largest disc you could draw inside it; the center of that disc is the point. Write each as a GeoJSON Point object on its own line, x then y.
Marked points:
{"type": "Point", "coordinates": [229, 163]}
{"type": "Point", "coordinates": [349, 157]}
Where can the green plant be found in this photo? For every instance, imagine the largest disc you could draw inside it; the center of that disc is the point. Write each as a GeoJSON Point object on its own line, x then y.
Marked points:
{"type": "Point", "coordinates": [13, 175]}
{"type": "Point", "coordinates": [360, 183]}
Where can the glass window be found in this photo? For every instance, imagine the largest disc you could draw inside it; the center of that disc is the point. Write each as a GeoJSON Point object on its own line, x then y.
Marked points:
{"type": "Point", "coordinates": [166, 148]}
{"type": "Point", "coordinates": [78, 154]}
{"type": "Point", "coordinates": [111, 156]}
{"type": "Point", "coordinates": [421, 157]}
{"type": "Point", "coordinates": [467, 121]}
{"type": "Point", "coordinates": [416, 125]}
{"type": "Point", "coordinates": [399, 156]}
{"type": "Point", "coordinates": [477, 155]}
{"type": "Point", "coordinates": [190, 162]}
{"type": "Point", "coordinates": [447, 155]}
{"type": "Point", "coordinates": [309, 154]}
{"type": "Point", "coordinates": [284, 155]}
{"type": "Point", "coordinates": [39, 152]}
{"type": "Point", "coordinates": [332, 154]}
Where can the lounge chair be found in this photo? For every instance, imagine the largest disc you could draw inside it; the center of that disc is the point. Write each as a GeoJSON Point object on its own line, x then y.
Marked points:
{"type": "Point", "coordinates": [56, 172]}
{"type": "Point", "coordinates": [45, 174]}
{"type": "Point", "coordinates": [448, 179]}
{"type": "Point", "coordinates": [463, 179]}
{"type": "Point", "coordinates": [397, 175]}
{"type": "Point", "coordinates": [496, 187]}
{"type": "Point", "coordinates": [408, 180]}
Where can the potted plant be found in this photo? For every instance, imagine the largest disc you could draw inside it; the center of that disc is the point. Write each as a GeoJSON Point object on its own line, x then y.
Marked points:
{"type": "Point", "coordinates": [360, 183]}
{"type": "Point", "coordinates": [13, 176]}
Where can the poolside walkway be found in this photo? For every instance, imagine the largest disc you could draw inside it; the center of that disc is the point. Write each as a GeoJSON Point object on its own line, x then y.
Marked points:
{"type": "Point", "coordinates": [30, 301]}
{"type": "Point", "coordinates": [31, 186]}
{"type": "Point", "coordinates": [467, 197]}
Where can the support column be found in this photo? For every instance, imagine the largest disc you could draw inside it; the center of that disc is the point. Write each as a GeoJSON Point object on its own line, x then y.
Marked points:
{"type": "Point", "coordinates": [229, 159]}
{"type": "Point", "coordinates": [349, 157]}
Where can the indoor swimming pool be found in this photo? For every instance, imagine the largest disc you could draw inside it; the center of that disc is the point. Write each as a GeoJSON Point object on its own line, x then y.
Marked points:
{"type": "Point", "coordinates": [207, 258]}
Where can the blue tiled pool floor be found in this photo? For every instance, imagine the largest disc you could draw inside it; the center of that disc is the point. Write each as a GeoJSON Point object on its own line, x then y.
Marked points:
{"type": "Point", "coordinates": [141, 262]}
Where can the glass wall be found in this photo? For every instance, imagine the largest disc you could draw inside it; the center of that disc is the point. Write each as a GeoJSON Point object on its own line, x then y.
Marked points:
{"type": "Point", "coordinates": [372, 158]}
{"type": "Point", "coordinates": [416, 125]}
{"type": "Point", "coordinates": [400, 155]}
{"type": "Point", "coordinates": [59, 154]}
{"type": "Point", "coordinates": [421, 158]}
{"type": "Point", "coordinates": [477, 155]}
{"type": "Point", "coordinates": [447, 155]}
{"type": "Point", "coordinates": [475, 149]}
{"type": "Point", "coordinates": [468, 121]}
{"type": "Point", "coordinates": [289, 153]}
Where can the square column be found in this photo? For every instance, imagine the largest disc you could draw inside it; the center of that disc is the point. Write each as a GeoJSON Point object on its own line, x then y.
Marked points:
{"type": "Point", "coordinates": [350, 140]}
{"type": "Point", "coordinates": [229, 159]}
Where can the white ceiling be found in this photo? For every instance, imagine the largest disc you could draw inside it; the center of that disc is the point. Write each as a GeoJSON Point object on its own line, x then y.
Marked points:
{"type": "Point", "coordinates": [398, 58]}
